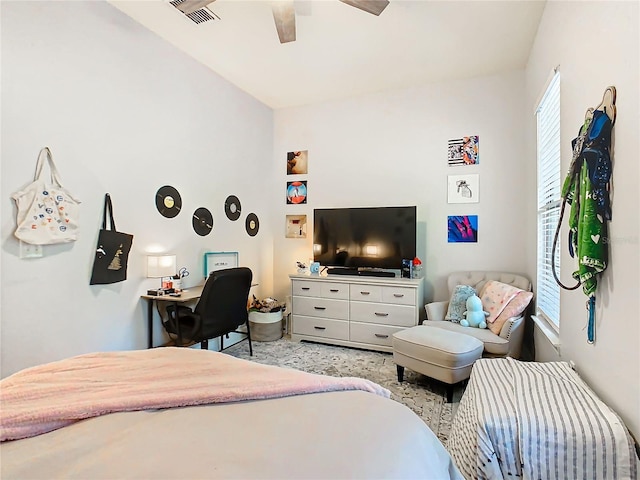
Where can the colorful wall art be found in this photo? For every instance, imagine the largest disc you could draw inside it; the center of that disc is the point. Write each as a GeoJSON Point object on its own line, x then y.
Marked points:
{"type": "Point", "coordinates": [296, 226]}
{"type": "Point", "coordinates": [463, 188]}
{"type": "Point", "coordinates": [297, 162]}
{"type": "Point", "coordinates": [296, 192]}
{"type": "Point", "coordinates": [464, 151]}
{"type": "Point", "coordinates": [462, 228]}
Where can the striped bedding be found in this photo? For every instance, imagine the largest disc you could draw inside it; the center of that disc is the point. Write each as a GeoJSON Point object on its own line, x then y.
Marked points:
{"type": "Point", "coordinates": [537, 421]}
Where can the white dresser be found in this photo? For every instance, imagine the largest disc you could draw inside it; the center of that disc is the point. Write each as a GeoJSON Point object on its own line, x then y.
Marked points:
{"type": "Point", "coordinates": [353, 311]}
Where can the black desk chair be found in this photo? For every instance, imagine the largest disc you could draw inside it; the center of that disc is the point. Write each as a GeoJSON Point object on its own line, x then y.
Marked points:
{"type": "Point", "coordinates": [222, 308]}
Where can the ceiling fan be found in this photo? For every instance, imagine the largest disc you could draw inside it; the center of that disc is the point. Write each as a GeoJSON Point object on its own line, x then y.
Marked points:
{"type": "Point", "coordinates": [284, 14]}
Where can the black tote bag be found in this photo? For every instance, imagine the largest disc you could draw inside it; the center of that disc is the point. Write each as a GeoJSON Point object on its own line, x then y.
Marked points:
{"type": "Point", "coordinates": [112, 252]}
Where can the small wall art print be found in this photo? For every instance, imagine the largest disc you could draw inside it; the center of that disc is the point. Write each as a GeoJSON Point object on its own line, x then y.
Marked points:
{"type": "Point", "coordinates": [463, 188]}
{"type": "Point", "coordinates": [296, 192]}
{"type": "Point", "coordinates": [464, 151]}
{"type": "Point", "coordinates": [296, 226]}
{"type": "Point", "coordinates": [462, 228]}
{"type": "Point", "coordinates": [297, 162]}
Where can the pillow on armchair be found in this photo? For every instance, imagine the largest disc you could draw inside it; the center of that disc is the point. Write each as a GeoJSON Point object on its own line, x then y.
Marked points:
{"type": "Point", "coordinates": [458, 303]}
{"type": "Point", "coordinates": [503, 302]}
{"type": "Point", "coordinates": [516, 306]}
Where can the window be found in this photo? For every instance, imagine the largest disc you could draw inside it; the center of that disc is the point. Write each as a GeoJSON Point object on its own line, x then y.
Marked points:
{"type": "Point", "coordinates": [548, 148]}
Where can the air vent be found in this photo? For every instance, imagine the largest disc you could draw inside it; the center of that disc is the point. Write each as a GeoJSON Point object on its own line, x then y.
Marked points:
{"type": "Point", "coordinates": [199, 16]}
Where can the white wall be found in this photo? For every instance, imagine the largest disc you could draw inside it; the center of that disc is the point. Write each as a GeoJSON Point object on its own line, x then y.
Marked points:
{"type": "Point", "coordinates": [391, 149]}
{"type": "Point", "coordinates": [124, 112]}
{"type": "Point", "coordinates": [596, 45]}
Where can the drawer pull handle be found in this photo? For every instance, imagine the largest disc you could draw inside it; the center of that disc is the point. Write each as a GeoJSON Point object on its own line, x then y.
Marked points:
{"type": "Point", "coordinates": [305, 288]}
{"type": "Point", "coordinates": [365, 293]}
{"type": "Point", "coordinates": [379, 335]}
{"type": "Point", "coordinates": [320, 328]}
{"type": "Point", "coordinates": [334, 290]}
{"type": "Point", "coordinates": [320, 308]}
{"type": "Point", "coordinates": [381, 314]}
{"type": "Point", "coordinates": [398, 295]}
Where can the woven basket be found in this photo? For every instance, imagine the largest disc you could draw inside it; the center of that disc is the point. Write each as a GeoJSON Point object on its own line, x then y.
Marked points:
{"type": "Point", "coordinates": [265, 326]}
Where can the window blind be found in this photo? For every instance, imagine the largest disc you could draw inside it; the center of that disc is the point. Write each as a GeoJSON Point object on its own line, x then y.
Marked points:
{"type": "Point", "coordinates": [548, 150]}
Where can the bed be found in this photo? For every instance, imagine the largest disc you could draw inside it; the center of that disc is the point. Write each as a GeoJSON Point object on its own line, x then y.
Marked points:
{"type": "Point", "coordinates": [537, 421]}
{"type": "Point", "coordinates": [187, 413]}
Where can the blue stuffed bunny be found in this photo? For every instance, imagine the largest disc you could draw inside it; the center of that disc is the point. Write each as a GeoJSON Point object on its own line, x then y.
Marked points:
{"type": "Point", "coordinates": [474, 314]}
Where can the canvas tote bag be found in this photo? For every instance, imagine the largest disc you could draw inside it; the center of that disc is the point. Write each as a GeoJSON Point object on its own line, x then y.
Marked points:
{"type": "Point", "coordinates": [112, 252]}
{"type": "Point", "coordinates": [47, 212]}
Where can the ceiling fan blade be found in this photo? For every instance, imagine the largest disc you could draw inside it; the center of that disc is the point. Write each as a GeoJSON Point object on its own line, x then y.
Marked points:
{"type": "Point", "coordinates": [371, 6]}
{"type": "Point", "coordinates": [190, 6]}
{"type": "Point", "coordinates": [284, 16]}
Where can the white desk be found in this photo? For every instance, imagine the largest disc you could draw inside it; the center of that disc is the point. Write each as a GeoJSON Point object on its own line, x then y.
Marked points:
{"type": "Point", "coordinates": [187, 295]}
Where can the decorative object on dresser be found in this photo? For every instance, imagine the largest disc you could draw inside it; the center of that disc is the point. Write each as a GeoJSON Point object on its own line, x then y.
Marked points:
{"type": "Point", "coordinates": [354, 311]}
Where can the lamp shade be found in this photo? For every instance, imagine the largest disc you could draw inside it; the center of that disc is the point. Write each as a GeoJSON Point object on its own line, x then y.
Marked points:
{"type": "Point", "coordinates": [159, 266]}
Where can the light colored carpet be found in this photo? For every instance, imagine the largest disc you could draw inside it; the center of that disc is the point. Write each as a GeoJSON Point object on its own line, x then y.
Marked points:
{"type": "Point", "coordinates": [426, 397]}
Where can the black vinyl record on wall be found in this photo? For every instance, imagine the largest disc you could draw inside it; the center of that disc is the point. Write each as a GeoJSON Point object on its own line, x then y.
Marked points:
{"type": "Point", "coordinates": [252, 224]}
{"type": "Point", "coordinates": [232, 207]}
{"type": "Point", "coordinates": [202, 221]}
{"type": "Point", "coordinates": [168, 201]}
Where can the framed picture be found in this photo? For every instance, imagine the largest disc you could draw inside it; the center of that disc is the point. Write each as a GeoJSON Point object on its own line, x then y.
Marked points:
{"type": "Point", "coordinates": [296, 226]}
{"type": "Point", "coordinates": [218, 261]}
{"type": "Point", "coordinates": [297, 162]}
{"type": "Point", "coordinates": [464, 151]}
{"type": "Point", "coordinates": [296, 192]}
{"type": "Point", "coordinates": [463, 188]}
{"type": "Point", "coordinates": [462, 229]}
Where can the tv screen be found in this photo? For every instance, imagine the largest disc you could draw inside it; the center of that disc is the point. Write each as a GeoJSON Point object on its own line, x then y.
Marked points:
{"type": "Point", "coordinates": [369, 237]}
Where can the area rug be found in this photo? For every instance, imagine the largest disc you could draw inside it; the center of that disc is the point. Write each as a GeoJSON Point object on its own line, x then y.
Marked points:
{"type": "Point", "coordinates": [426, 397]}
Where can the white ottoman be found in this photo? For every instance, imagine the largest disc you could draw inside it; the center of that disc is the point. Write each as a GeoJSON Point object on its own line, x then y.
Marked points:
{"type": "Point", "coordinates": [441, 354]}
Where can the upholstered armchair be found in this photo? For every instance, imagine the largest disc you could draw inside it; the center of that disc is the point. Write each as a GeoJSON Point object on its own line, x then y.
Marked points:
{"type": "Point", "coordinates": [508, 343]}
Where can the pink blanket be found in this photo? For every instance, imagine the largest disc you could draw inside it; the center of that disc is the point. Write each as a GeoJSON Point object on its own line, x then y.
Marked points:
{"type": "Point", "coordinates": [44, 398]}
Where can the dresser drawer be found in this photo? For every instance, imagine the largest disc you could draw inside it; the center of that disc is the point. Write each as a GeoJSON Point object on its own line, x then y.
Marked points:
{"type": "Point", "coordinates": [399, 295]}
{"type": "Point", "coordinates": [320, 307]}
{"type": "Point", "coordinates": [365, 293]}
{"type": "Point", "coordinates": [306, 288]}
{"type": "Point", "coordinates": [371, 333]}
{"type": "Point", "coordinates": [320, 327]}
{"type": "Point", "coordinates": [400, 315]}
{"type": "Point", "coordinates": [334, 290]}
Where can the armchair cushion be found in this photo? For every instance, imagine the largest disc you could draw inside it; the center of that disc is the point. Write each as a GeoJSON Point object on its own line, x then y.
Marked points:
{"type": "Point", "coordinates": [458, 303]}
{"type": "Point", "coordinates": [493, 344]}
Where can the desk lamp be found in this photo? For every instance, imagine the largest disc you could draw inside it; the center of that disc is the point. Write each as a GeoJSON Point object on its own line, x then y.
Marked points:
{"type": "Point", "coordinates": [161, 266]}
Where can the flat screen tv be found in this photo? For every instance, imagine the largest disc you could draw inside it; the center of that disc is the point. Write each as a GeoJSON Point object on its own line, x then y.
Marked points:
{"type": "Point", "coordinates": [364, 238]}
